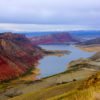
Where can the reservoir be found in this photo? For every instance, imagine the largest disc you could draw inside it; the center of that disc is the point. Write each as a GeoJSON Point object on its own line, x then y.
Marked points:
{"type": "Point", "coordinates": [51, 65]}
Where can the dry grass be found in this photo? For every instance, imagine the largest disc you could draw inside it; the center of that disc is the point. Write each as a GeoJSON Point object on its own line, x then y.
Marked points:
{"type": "Point", "coordinates": [86, 94]}
{"type": "Point", "coordinates": [44, 94]}
{"type": "Point", "coordinates": [76, 90]}
{"type": "Point", "coordinates": [92, 93]}
{"type": "Point", "coordinates": [94, 48]}
{"type": "Point", "coordinates": [88, 90]}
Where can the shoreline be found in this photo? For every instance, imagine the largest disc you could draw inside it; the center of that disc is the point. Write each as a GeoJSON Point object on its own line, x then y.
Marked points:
{"type": "Point", "coordinates": [55, 52]}
{"type": "Point", "coordinates": [34, 71]}
{"type": "Point", "coordinates": [89, 48]}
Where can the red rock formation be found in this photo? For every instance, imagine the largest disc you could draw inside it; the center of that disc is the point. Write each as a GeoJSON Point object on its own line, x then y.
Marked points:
{"type": "Point", "coordinates": [59, 38]}
{"type": "Point", "coordinates": [17, 55]}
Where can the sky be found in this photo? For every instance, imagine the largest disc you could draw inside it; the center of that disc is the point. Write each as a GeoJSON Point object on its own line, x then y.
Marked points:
{"type": "Point", "coordinates": [49, 15]}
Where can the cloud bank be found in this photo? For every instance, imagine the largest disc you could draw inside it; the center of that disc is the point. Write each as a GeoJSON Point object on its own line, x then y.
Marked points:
{"type": "Point", "coordinates": [70, 12]}
{"type": "Point", "coordinates": [43, 28]}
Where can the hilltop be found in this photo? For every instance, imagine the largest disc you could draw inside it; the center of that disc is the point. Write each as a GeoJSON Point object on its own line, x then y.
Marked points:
{"type": "Point", "coordinates": [58, 38]}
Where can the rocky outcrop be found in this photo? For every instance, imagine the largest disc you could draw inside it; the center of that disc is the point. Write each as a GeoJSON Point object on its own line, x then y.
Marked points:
{"type": "Point", "coordinates": [17, 55]}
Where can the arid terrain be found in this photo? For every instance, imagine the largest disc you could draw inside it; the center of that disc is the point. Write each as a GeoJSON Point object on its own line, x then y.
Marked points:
{"type": "Point", "coordinates": [49, 49]}
{"type": "Point", "coordinates": [55, 87]}
{"type": "Point", "coordinates": [77, 71]}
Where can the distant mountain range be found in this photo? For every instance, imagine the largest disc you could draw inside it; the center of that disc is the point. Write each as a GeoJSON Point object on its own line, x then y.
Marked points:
{"type": "Point", "coordinates": [58, 38]}
{"type": "Point", "coordinates": [17, 55]}
{"type": "Point", "coordinates": [81, 34]}
{"type": "Point", "coordinates": [91, 42]}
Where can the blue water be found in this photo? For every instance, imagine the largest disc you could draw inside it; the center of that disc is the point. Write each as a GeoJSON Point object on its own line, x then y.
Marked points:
{"type": "Point", "coordinates": [51, 65]}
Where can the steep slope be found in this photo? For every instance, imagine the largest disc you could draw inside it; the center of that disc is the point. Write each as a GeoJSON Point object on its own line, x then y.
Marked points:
{"type": "Point", "coordinates": [48, 92]}
{"type": "Point", "coordinates": [17, 55]}
{"type": "Point", "coordinates": [59, 38]}
{"type": "Point", "coordinates": [88, 90]}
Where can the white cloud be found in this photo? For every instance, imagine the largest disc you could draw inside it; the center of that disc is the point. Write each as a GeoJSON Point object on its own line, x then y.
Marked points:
{"type": "Point", "coordinates": [41, 27]}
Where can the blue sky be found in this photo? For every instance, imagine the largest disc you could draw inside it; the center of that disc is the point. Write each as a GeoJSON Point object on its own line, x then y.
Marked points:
{"type": "Point", "coordinates": [44, 15]}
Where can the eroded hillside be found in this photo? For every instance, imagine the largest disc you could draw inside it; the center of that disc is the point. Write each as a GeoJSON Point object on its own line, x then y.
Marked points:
{"type": "Point", "coordinates": [17, 55]}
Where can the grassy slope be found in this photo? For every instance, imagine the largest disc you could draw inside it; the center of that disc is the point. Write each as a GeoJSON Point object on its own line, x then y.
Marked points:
{"type": "Point", "coordinates": [76, 95]}
{"type": "Point", "coordinates": [88, 90]}
{"type": "Point", "coordinates": [44, 94]}
{"type": "Point", "coordinates": [53, 91]}
{"type": "Point", "coordinates": [76, 90]}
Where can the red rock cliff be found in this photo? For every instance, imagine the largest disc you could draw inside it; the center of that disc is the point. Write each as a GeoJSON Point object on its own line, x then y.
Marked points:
{"type": "Point", "coordinates": [17, 55]}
